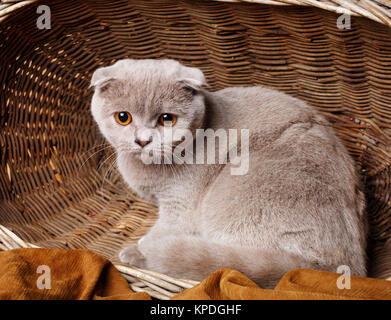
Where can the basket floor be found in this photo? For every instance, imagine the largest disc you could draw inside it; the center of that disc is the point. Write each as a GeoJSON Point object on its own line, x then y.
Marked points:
{"type": "Point", "coordinates": [103, 216]}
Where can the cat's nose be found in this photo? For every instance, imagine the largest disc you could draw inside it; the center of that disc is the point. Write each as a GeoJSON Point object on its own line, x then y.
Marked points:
{"type": "Point", "coordinates": [142, 143]}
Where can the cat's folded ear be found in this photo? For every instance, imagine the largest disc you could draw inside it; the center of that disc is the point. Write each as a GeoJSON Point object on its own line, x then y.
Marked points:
{"type": "Point", "coordinates": [192, 79]}
{"type": "Point", "coordinates": [103, 80]}
{"type": "Point", "coordinates": [98, 77]}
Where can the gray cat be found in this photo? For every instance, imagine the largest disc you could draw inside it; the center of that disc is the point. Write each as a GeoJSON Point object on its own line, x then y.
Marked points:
{"type": "Point", "coordinates": [300, 204]}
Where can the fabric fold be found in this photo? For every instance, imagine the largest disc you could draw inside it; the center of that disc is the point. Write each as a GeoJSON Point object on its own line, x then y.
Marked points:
{"type": "Point", "coordinates": [30, 273]}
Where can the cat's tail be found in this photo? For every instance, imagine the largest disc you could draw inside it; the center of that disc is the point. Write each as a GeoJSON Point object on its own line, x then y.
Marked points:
{"type": "Point", "coordinates": [194, 258]}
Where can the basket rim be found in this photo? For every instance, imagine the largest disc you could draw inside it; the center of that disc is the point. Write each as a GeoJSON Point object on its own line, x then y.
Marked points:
{"type": "Point", "coordinates": [377, 10]}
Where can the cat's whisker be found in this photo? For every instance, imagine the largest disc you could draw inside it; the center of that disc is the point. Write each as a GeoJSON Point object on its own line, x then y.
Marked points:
{"type": "Point", "coordinates": [94, 147]}
{"type": "Point", "coordinates": [99, 147]}
{"type": "Point", "coordinates": [112, 166]}
{"type": "Point", "coordinates": [100, 150]}
{"type": "Point", "coordinates": [109, 157]}
{"type": "Point", "coordinates": [108, 172]}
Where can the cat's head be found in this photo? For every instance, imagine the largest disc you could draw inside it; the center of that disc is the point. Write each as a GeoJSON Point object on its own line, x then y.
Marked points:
{"type": "Point", "coordinates": [137, 102]}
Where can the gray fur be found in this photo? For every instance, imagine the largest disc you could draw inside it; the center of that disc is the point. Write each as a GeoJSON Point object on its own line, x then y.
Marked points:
{"type": "Point", "coordinates": [299, 206]}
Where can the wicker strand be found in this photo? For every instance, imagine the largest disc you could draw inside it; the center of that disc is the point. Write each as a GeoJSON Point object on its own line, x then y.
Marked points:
{"type": "Point", "coordinates": [377, 10]}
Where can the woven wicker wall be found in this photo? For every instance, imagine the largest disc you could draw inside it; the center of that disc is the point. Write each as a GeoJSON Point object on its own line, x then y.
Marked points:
{"type": "Point", "coordinates": [55, 191]}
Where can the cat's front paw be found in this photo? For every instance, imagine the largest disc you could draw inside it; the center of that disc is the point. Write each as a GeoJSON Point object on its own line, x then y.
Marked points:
{"type": "Point", "coordinates": [133, 256]}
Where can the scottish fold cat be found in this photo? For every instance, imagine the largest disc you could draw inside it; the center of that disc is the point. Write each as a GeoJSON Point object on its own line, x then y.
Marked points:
{"type": "Point", "coordinates": [297, 201]}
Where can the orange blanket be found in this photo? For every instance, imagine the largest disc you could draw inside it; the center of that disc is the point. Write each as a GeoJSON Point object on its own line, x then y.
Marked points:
{"type": "Point", "coordinates": [81, 274]}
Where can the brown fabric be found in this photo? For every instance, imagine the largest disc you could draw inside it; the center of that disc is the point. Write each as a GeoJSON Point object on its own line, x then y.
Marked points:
{"type": "Point", "coordinates": [298, 284]}
{"type": "Point", "coordinates": [75, 274]}
{"type": "Point", "coordinates": [82, 274]}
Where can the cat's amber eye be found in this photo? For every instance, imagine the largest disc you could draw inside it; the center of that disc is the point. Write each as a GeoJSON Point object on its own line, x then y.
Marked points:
{"type": "Point", "coordinates": [167, 119]}
{"type": "Point", "coordinates": [123, 118]}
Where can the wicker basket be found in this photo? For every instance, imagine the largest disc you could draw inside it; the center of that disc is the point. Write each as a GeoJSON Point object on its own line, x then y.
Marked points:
{"type": "Point", "coordinates": [59, 187]}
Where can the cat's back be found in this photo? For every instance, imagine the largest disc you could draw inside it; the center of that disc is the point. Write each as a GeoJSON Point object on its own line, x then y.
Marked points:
{"type": "Point", "coordinates": [282, 127]}
{"type": "Point", "coordinates": [259, 107]}
{"type": "Point", "coordinates": [291, 144]}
